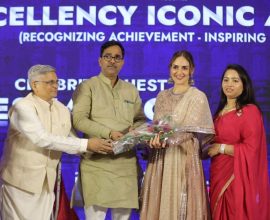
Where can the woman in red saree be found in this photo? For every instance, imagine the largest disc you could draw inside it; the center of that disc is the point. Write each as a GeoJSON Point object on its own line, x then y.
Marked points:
{"type": "Point", "coordinates": [239, 182]}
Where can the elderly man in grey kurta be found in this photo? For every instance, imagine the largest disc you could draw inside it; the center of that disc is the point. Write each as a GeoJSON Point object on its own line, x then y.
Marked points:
{"type": "Point", "coordinates": [105, 106]}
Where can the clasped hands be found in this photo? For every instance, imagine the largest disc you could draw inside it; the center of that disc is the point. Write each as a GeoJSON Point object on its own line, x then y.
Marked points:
{"type": "Point", "coordinates": [103, 146]}
{"type": "Point", "coordinates": [215, 149]}
{"type": "Point", "coordinates": [98, 145]}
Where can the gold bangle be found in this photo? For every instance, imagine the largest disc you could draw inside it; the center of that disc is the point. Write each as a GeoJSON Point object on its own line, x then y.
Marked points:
{"type": "Point", "coordinates": [222, 148]}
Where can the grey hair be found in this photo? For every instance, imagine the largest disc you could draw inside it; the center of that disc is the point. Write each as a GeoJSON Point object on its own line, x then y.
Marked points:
{"type": "Point", "coordinates": [38, 70]}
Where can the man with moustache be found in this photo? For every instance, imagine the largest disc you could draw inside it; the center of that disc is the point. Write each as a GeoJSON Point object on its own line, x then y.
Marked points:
{"type": "Point", "coordinates": [105, 106]}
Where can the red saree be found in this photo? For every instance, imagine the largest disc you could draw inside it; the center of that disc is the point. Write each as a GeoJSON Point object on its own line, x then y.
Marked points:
{"type": "Point", "coordinates": [239, 185]}
{"type": "Point", "coordinates": [65, 212]}
{"type": "Point", "coordinates": [62, 209]}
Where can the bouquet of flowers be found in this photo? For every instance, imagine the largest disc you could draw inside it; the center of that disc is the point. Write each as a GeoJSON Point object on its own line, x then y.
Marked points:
{"type": "Point", "coordinates": [144, 133]}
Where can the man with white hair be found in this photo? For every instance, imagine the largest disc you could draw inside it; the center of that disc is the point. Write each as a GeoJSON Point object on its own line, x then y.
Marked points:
{"type": "Point", "coordinates": [38, 133]}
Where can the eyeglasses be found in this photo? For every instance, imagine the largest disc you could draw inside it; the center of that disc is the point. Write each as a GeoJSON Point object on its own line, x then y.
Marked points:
{"type": "Point", "coordinates": [50, 82]}
{"type": "Point", "coordinates": [116, 58]}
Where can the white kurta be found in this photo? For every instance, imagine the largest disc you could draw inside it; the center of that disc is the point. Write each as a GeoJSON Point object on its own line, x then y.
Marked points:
{"type": "Point", "coordinates": [37, 135]}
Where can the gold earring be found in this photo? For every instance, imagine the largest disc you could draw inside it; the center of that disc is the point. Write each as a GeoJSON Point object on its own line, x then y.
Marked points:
{"type": "Point", "coordinates": [191, 81]}
{"type": "Point", "coordinates": [170, 80]}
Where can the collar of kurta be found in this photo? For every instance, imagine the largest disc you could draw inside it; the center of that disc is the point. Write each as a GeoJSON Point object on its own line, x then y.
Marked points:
{"type": "Point", "coordinates": [107, 81]}
{"type": "Point", "coordinates": [41, 101]}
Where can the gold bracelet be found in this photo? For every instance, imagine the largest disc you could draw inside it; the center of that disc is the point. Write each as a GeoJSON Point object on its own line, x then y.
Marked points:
{"type": "Point", "coordinates": [222, 148]}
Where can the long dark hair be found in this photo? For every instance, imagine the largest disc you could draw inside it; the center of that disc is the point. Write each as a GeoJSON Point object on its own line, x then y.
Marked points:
{"type": "Point", "coordinates": [246, 97]}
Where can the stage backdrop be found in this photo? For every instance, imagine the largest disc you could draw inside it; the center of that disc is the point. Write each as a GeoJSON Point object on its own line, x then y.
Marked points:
{"type": "Point", "coordinates": [68, 35]}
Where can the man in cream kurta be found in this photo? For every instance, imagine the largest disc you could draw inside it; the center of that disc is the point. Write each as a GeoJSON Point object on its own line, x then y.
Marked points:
{"type": "Point", "coordinates": [105, 106]}
{"type": "Point", "coordinates": [38, 132]}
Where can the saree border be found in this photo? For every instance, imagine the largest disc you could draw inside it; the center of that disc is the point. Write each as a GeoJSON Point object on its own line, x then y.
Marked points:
{"type": "Point", "coordinates": [222, 192]}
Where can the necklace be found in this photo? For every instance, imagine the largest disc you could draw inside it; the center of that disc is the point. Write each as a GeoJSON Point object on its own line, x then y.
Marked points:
{"type": "Point", "coordinates": [227, 109]}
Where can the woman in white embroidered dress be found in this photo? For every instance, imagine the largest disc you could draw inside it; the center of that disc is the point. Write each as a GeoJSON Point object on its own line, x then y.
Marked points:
{"type": "Point", "coordinates": [174, 184]}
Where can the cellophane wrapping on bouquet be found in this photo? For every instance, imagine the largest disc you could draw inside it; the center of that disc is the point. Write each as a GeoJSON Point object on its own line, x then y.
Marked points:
{"type": "Point", "coordinates": [140, 135]}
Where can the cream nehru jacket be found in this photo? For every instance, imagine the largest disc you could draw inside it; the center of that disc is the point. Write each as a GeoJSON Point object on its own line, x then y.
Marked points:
{"type": "Point", "coordinates": [28, 159]}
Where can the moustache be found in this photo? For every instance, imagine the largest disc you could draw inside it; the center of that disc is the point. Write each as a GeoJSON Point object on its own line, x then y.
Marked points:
{"type": "Point", "coordinates": [114, 66]}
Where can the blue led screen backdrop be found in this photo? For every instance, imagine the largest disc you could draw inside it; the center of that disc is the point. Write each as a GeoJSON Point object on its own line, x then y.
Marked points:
{"type": "Point", "coordinates": [68, 35]}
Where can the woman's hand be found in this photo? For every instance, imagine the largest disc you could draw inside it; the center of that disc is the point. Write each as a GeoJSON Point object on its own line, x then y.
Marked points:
{"type": "Point", "coordinates": [156, 143]}
{"type": "Point", "coordinates": [213, 150]}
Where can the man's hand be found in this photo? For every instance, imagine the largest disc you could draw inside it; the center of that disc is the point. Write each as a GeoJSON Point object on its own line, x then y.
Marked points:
{"type": "Point", "coordinates": [100, 146]}
{"type": "Point", "coordinates": [116, 135]}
